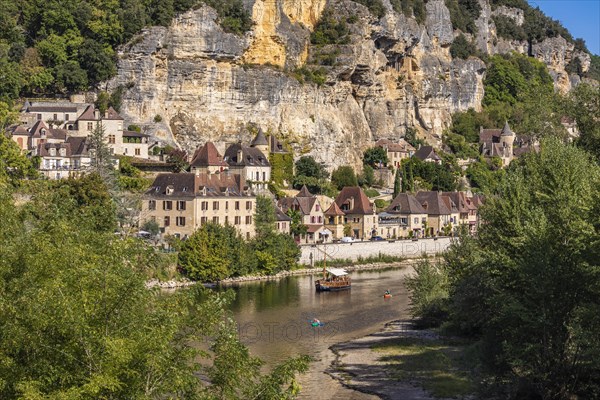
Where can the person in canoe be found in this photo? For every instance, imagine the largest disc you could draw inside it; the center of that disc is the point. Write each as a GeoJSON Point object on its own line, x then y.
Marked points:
{"type": "Point", "coordinates": [315, 322]}
{"type": "Point", "coordinates": [387, 294]}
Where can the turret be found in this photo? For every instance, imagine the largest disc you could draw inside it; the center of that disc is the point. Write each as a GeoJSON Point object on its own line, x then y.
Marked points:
{"type": "Point", "coordinates": [260, 142]}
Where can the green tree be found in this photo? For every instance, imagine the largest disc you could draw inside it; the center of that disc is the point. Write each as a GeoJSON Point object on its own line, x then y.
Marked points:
{"type": "Point", "coordinates": [527, 286]}
{"type": "Point", "coordinates": [14, 166]}
{"type": "Point", "coordinates": [204, 256]}
{"type": "Point", "coordinates": [397, 182]}
{"type": "Point", "coordinates": [307, 166]}
{"type": "Point", "coordinates": [375, 156]}
{"type": "Point", "coordinates": [343, 176]}
{"type": "Point", "coordinates": [297, 228]}
{"type": "Point", "coordinates": [462, 48]}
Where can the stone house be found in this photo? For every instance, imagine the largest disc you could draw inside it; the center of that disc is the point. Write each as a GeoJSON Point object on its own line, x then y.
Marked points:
{"type": "Point", "coordinates": [396, 152]}
{"type": "Point", "coordinates": [309, 207]}
{"type": "Point", "coordinates": [251, 163]}
{"type": "Point", "coordinates": [207, 160]}
{"type": "Point", "coordinates": [428, 154]}
{"type": "Point", "coordinates": [65, 159]}
{"type": "Point", "coordinates": [183, 202]}
{"type": "Point", "coordinates": [334, 221]}
{"type": "Point", "coordinates": [467, 209]}
{"type": "Point", "coordinates": [404, 217]}
{"type": "Point", "coordinates": [441, 212]}
{"type": "Point", "coordinates": [283, 222]}
{"type": "Point", "coordinates": [359, 212]}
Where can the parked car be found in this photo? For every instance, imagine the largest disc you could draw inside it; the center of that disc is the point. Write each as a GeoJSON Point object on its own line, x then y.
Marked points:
{"type": "Point", "coordinates": [347, 239]}
{"type": "Point", "coordinates": [376, 238]}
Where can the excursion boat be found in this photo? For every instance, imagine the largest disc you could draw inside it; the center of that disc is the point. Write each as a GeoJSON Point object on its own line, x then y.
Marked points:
{"type": "Point", "coordinates": [333, 279]}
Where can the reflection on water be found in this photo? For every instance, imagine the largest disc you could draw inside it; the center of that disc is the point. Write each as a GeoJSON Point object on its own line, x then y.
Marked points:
{"type": "Point", "coordinates": [274, 319]}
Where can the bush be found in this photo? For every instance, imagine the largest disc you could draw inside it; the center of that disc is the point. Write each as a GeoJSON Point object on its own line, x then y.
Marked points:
{"type": "Point", "coordinates": [330, 30]}
{"type": "Point", "coordinates": [371, 193]}
{"type": "Point", "coordinates": [462, 48]}
{"type": "Point", "coordinates": [507, 28]}
{"type": "Point", "coordinates": [318, 76]}
{"type": "Point", "coordinates": [375, 7]}
{"type": "Point", "coordinates": [411, 8]}
{"type": "Point", "coordinates": [343, 176]}
{"type": "Point", "coordinates": [428, 294]}
{"type": "Point", "coordinates": [157, 118]}
{"type": "Point", "coordinates": [463, 14]}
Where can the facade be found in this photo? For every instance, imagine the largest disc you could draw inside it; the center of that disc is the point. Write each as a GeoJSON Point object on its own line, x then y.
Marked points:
{"type": "Point", "coordinates": [359, 212]}
{"type": "Point", "coordinates": [284, 223]}
{"type": "Point", "coordinates": [396, 152]}
{"type": "Point", "coordinates": [405, 217]}
{"type": "Point", "coordinates": [64, 160]}
{"type": "Point", "coordinates": [251, 163]}
{"type": "Point", "coordinates": [135, 144]}
{"type": "Point", "coordinates": [183, 202]}
{"type": "Point", "coordinates": [441, 212]}
{"type": "Point", "coordinates": [428, 154]}
{"type": "Point", "coordinates": [309, 207]}
{"type": "Point", "coordinates": [467, 209]}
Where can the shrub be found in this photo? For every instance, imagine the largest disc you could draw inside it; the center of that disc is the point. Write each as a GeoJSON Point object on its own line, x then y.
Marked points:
{"type": "Point", "coordinates": [507, 28]}
{"type": "Point", "coordinates": [463, 14]}
{"type": "Point", "coordinates": [375, 7]}
{"type": "Point", "coordinates": [428, 294]}
{"type": "Point", "coordinates": [157, 118]}
{"type": "Point", "coordinates": [330, 30]}
{"type": "Point", "coordinates": [462, 48]}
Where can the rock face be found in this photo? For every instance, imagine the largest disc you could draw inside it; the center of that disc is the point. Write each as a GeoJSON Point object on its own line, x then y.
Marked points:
{"type": "Point", "coordinates": [206, 84]}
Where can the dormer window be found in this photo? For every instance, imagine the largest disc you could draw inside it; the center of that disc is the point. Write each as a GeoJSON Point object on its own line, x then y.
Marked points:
{"type": "Point", "coordinates": [170, 190]}
{"type": "Point", "coordinates": [52, 151]}
{"type": "Point", "coordinates": [62, 151]}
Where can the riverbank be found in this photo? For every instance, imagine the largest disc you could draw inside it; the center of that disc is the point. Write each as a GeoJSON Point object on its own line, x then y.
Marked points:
{"type": "Point", "coordinates": [403, 363]}
{"type": "Point", "coordinates": [180, 283]}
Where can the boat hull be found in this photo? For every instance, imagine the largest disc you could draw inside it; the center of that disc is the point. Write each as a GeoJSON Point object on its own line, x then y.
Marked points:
{"type": "Point", "coordinates": [331, 287]}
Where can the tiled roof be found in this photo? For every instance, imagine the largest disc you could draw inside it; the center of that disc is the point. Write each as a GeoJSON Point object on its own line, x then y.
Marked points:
{"type": "Point", "coordinates": [281, 216]}
{"type": "Point", "coordinates": [426, 153]}
{"type": "Point", "coordinates": [251, 157]}
{"type": "Point", "coordinates": [432, 203]}
{"type": "Point", "coordinates": [20, 130]}
{"type": "Point", "coordinates": [489, 135]}
{"type": "Point", "coordinates": [43, 149]}
{"type": "Point", "coordinates": [192, 185]}
{"type": "Point", "coordinates": [49, 108]}
{"type": "Point", "coordinates": [260, 139]}
{"type": "Point", "coordinates": [313, 228]}
{"type": "Point", "coordinates": [461, 200]}
{"type": "Point", "coordinates": [207, 156]}
{"type": "Point", "coordinates": [334, 210]}
{"type": "Point", "coordinates": [405, 203]}
{"type": "Point", "coordinates": [79, 146]}
{"type": "Point", "coordinates": [134, 134]}
{"type": "Point", "coordinates": [401, 146]}
{"type": "Point", "coordinates": [362, 205]}
{"type": "Point", "coordinates": [506, 131]}
{"type": "Point", "coordinates": [88, 114]}
{"type": "Point", "coordinates": [111, 114]}
{"type": "Point", "coordinates": [304, 192]}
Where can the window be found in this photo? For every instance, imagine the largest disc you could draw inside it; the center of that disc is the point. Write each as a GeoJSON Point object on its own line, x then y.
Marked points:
{"type": "Point", "coordinates": [66, 117]}
{"type": "Point", "coordinates": [227, 220]}
{"type": "Point", "coordinates": [90, 126]}
{"type": "Point", "coordinates": [111, 139]}
{"type": "Point", "coordinates": [204, 206]}
{"type": "Point", "coordinates": [312, 219]}
{"type": "Point", "coordinates": [138, 152]}
{"type": "Point", "coordinates": [226, 205]}
{"type": "Point", "coordinates": [247, 235]}
{"type": "Point", "coordinates": [167, 221]}
{"type": "Point", "coordinates": [55, 117]}
{"type": "Point", "coordinates": [248, 205]}
{"type": "Point", "coordinates": [264, 176]}
{"type": "Point", "coordinates": [125, 152]}
{"type": "Point", "coordinates": [181, 205]}
{"type": "Point", "coordinates": [152, 205]}
{"type": "Point", "coordinates": [203, 220]}
{"type": "Point", "coordinates": [248, 220]}
{"type": "Point", "coordinates": [167, 205]}
{"type": "Point", "coordinates": [416, 220]}
{"type": "Point", "coordinates": [257, 175]}
{"type": "Point", "coordinates": [319, 220]}
{"type": "Point", "coordinates": [215, 205]}
{"type": "Point", "coordinates": [237, 205]}
{"type": "Point", "coordinates": [39, 116]}
{"type": "Point", "coordinates": [238, 220]}
{"type": "Point", "coordinates": [318, 207]}
{"type": "Point", "coordinates": [180, 221]}
{"type": "Point", "coordinates": [215, 220]}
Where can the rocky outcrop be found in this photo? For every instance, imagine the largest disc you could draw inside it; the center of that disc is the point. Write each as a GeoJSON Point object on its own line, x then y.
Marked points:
{"type": "Point", "coordinates": [206, 84]}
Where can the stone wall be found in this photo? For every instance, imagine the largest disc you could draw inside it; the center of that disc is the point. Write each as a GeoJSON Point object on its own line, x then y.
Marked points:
{"type": "Point", "coordinates": [399, 248]}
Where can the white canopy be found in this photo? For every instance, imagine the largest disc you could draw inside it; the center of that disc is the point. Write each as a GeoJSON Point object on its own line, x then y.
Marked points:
{"type": "Point", "coordinates": [337, 271]}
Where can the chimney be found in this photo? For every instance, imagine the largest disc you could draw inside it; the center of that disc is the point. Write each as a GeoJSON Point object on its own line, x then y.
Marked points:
{"type": "Point", "coordinates": [239, 156]}
{"type": "Point", "coordinates": [96, 114]}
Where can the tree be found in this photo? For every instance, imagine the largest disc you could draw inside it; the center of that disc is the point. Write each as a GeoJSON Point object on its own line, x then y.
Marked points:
{"type": "Point", "coordinates": [462, 48]}
{"type": "Point", "coordinates": [204, 256]}
{"type": "Point", "coordinates": [527, 286]}
{"type": "Point", "coordinates": [343, 176]}
{"type": "Point", "coordinates": [375, 157]}
{"type": "Point", "coordinates": [75, 314]}
{"type": "Point", "coordinates": [297, 228]}
{"type": "Point", "coordinates": [367, 178]}
{"type": "Point", "coordinates": [14, 166]}
{"type": "Point", "coordinates": [307, 166]}
{"type": "Point", "coordinates": [265, 217]}
{"type": "Point", "coordinates": [397, 182]}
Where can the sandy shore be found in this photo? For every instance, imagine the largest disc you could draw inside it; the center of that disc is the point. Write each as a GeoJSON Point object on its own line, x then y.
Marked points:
{"type": "Point", "coordinates": [358, 367]}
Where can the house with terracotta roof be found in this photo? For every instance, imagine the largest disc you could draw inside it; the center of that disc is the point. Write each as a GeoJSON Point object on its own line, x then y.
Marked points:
{"type": "Point", "coordinates": [359, 212]}
{"type": "Point", "coordinates": [183, 202]}
{"type": "Point", "coordinates": [68, 159]}
{"type": "Point", "coordinates": [283, 221]}
{"type": "Point", "coordinates": [335, 221]}
{"type": "Point", "coordinates": [309, 207]}
{"type": "Point", "coordinates": [467, 209]}
{"type": "Point", "coordinates": [404, 217]}
{"type": "Point", "coordinates": [208, 160]}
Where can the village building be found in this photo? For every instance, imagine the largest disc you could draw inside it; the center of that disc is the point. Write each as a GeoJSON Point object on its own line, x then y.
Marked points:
{"type": "Point", "coordinates": [505, 144]}
{"type": "Point", "coordinates": [442, 213]}
{"type": "Point", "coordinates": [467, 209]}
{"type": "Point", "coordinates": [404, 217]}
{"type": "Point", "coordinates": [396, 152]}
{"type": "Point", "coordinates": [428, 154]}
{"type": "Point", "coordinates": [181, 203]}
{"type": "Point", "coordinates": [311, 211]}
{"type": "Point", "coordinates": [207, 160]}
{"type": "Point", "coordinates": [67, 159]}
{"type": "Point", "coordinates": [283, 222]}
{"type": "Point", "coordinates": [251, 163]}
{"type": "Point", "coordinates": [335, 221]}
{"type": "Point", "coordinates": [359, 212]}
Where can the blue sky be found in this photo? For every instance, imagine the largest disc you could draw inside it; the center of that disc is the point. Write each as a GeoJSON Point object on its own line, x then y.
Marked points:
{"type": "Point", "coordinates": [580, 17]}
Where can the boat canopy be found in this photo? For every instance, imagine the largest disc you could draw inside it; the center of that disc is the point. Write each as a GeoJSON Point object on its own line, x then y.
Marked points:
{"type": "Point", "coordinates": [337, 271]}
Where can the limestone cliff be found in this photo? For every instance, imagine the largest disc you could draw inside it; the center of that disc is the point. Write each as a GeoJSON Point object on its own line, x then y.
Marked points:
{"type": "Point", "coordinates": [207, 84]}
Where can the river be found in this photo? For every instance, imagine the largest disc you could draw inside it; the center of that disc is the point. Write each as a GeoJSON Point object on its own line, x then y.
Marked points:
{"type": "Point", "coordinates": [274, 320]}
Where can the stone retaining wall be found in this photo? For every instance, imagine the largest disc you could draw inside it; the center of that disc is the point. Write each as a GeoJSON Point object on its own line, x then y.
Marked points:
{"type": "Point", "coordinates": [399, 248]}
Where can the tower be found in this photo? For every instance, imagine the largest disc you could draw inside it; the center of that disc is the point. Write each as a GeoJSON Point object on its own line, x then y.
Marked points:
{"type": "Point", "coordinates": [260, 142]}
{"type": "Point", "coordinates": [507, 140]}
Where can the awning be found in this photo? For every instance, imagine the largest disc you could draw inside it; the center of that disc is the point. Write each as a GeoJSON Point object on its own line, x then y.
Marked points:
{"type": "Point", "coordinates": [337, 271]}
